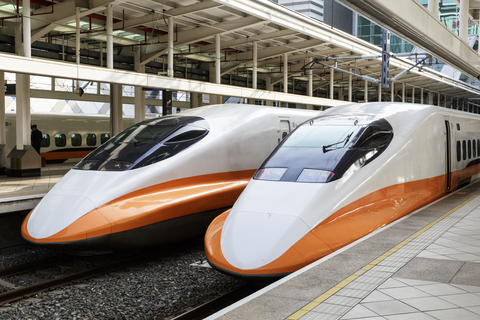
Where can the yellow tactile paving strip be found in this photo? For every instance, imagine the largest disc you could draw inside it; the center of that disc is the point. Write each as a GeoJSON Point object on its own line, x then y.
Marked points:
{"type": "Point", "coordinates": [343, 284]}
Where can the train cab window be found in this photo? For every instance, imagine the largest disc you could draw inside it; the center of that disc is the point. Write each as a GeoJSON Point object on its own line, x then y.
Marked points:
{"type": "Point", "coordinates": [91, 139]}
{"type": "Point", "coordinates": [469, 149]}
{"type": "Point", "coordinates": [323, 149]}
{"type": "Point", "coordinates": [189, 135]}
{"type": "Point", "coordinates": [459, 151]}
{"type": "Point", "coordinates": [104, 137]}
{"type": "Point", "coordinates": [474, 149]}
{"type": "Point", "coordinates": [76, 139]}
{"type": "Point", "coordinates": [464, 145]}
{"type": "Point", "coordinates": [60, 140]}
{"type": "Point", "coordinates": [145, 143]}
{"type": "Point", "coordinates": [46, 141]}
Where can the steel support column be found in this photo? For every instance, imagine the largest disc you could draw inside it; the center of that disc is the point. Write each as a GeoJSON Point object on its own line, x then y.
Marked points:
{"type": "Point", "coordinates": [254, 72]}
{"type": "Point", "coordinates": [380, 92]}
{"type": "Point", "coordinates": [77, 35]}
{"type": "Point", "coordinates": [463, 30]}
{"type": "Point", "coordinates": [403, 92]}
{"type": "Point", "coordinates": [170, 71]}
{"type": "Point", "coordinates": [116, 110]}
{"type": "Point", "coordinates": [3, 130]}
{"type": "Point", "coordinates": [139, 93]}
{"type": "Point", "coordinates": [433, 7]}
{"type": "Point", "coordinates": [350, 85]}
{"type": "Point", "coordinates": [421, 96]}
{"type": "Point", "coordinates": [285, 73]}
{"type": "Point", "coordinates": [27, 34]}
{"type": "Point", "coordinates": [109, 36]}
{"type": "Point", "coordinates": [392, 90]}
{"type": "Point", "coordinates": [365, 95]}
{"type": "Point", "coordinates": [332, 78]}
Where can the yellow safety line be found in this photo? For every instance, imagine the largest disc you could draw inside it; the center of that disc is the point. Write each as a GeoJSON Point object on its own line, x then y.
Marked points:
{"type": "Point", "coordinates": [300, 313]}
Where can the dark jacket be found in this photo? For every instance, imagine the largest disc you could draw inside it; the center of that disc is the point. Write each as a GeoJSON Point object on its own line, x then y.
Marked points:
{"type": "Point", "coordinates": [36, 138]}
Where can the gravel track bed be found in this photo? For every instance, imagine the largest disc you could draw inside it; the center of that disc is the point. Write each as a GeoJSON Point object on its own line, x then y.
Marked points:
{"type": "Point", "coordinates": [158, 289]}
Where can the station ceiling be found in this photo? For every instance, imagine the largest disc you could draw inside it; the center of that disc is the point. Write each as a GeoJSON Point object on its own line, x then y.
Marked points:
{"type": "Point", "coordinates": [276, 30]}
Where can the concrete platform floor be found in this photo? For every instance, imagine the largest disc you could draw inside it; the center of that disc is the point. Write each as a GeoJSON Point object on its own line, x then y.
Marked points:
{"type": "Point", "coordinates": [423, 266]}
{"type": "Point", "coordinates": [17, 194]}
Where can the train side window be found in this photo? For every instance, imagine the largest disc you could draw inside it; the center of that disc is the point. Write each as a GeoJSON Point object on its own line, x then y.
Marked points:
{"type": "Point", "coordinates": [459, 151]}
{"type": "Point", "coordinates": [46, 141]}
{"type": "Point", "coordinates": [60, 140]}
{"type": "Point", "coordinates": [474, 149]}
{"type": "Point", "coordinates": [91, 139]}
{"type": "Point", "coordinates": [478, 147]}
{"type": "Point", "coordinates": [76, 139]}
{"type": "Point", "coordinates": [469, 149]}
{"type": "Point", "coordinates": [104, 137]}
{"type": "Point", "coordinates": [464, 145]}
{"type": "Point", "coordinates": [458, 126]}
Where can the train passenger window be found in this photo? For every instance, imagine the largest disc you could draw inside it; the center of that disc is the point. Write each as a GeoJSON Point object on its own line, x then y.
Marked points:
{"type": "Point", "coordinates": [60, 140]}
{"type": "Point", "coordinates": [104, 137]}
{"type": "Point", "coordinates": [91, 139]}
{"type": "Point", "coordinates": [464, 145]}
{"type": "Point", "coordinates": [469, 149]}
{"type": "Point", "coordinates": [46, 141]}
{"type": "Point", "coordinates": [474, 149]}
{"type": "Point", "coordinates": [459, 151]}
{"type": "Point", "coordinates": [76, 139]}
{"type": "Point", "coordinates": [458, 126]}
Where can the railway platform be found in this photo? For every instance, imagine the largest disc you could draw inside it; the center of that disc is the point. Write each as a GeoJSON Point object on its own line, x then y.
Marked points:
{"type": "Point", "coordinates": [18, 194]}
{"type": "Point", "coordinates": [423, 266]}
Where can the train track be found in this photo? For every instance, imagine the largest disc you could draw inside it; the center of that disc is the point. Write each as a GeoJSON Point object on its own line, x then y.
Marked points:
{"type": "Point", "coordinates": [31, 290]}
{"type": "Point", "coordinates": [172, 278]}
{"type": "Point", "coordinates": [219, 303]}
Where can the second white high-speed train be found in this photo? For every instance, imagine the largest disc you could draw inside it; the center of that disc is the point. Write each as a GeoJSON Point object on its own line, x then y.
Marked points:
{"type": "Point", "coordinates": [338, 177]}
{"type": "Point", "coordinates": [160, 180]}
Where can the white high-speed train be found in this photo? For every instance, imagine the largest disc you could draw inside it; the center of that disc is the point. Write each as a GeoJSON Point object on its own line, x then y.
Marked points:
{"type": "Point", "coordinates": [338, 177]}
{"type": "Point", "coordinates": [160, 180]}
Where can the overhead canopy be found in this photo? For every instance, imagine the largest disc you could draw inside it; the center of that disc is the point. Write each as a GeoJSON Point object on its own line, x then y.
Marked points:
{"type": "Point", "coordinates": [276, 31]}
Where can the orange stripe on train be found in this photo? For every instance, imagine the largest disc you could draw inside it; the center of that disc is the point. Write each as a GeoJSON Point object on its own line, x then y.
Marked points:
{"type": "Point", "coordinates": [154, 204]}
{"type": "Point", "coordinates": [348, 224]}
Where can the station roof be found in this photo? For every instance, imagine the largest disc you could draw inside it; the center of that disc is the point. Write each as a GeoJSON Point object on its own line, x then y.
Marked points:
{"type": "Point", "coordinates": [274, 29]}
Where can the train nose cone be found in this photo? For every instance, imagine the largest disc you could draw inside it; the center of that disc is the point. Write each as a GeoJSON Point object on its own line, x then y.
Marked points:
{"type": "Point", "coordinates": [56, 212]}
{"type": "Point", "coordinates": [248, 245]}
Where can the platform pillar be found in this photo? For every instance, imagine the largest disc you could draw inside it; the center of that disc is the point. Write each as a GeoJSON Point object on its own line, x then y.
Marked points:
{"type": "Point", "coordinates": [332, 78]}
{"type": "Point", "coordinates": [116, 110]}
{"type": "Point", "coordinates": [3, 131]}
{"type": "Point", "coordinates": [365, 91]}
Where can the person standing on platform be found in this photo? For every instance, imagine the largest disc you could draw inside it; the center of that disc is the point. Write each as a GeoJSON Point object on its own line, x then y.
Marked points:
{"type": "Point", "coordinates": [36, 138]}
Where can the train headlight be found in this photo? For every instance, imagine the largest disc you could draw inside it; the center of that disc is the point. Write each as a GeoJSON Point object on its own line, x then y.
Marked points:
{"type": "Point", "coordinates": [271, 174]}
{"type": "Point", "coordinates": [313, 175]}
{"type": "Point", "coordinates": [116, 165]}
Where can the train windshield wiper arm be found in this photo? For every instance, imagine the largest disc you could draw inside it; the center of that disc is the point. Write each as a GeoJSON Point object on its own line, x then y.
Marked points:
{"type": "Point", "coordinates": [344, 141]}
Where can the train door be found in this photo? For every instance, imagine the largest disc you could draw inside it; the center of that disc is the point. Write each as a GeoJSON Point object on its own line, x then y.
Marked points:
{"type": "Point", "coordinates": [284, 129]}
{"type": "Point", "coordinates": [448, 154]}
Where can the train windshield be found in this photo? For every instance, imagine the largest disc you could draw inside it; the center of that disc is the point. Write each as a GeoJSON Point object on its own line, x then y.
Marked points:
{"type": "Point", "coordinates": [323, 149]}
{"type": "Point", "coordinates": [146, 143]}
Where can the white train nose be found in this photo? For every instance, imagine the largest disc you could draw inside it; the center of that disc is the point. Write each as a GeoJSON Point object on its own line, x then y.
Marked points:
{"type": "Point", "coordinates": [56, 212]}
{"type": "Point", "coordinates": [249, 246]}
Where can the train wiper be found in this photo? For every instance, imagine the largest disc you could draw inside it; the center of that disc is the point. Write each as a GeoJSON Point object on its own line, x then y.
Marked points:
{"type": "Point", "coordinates": [344, 141]}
